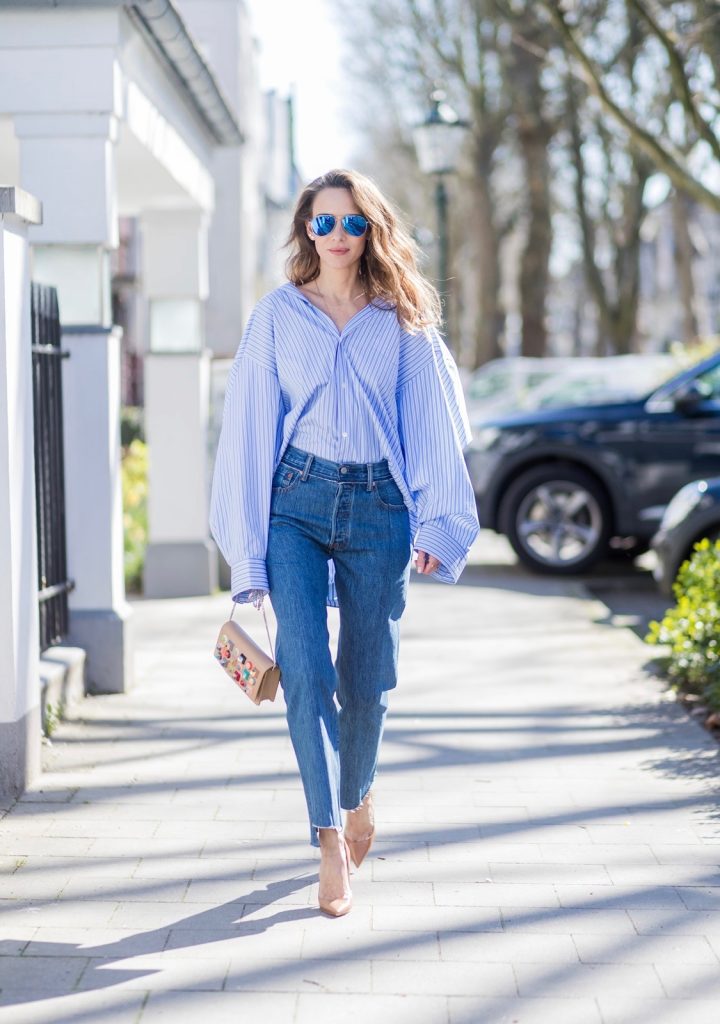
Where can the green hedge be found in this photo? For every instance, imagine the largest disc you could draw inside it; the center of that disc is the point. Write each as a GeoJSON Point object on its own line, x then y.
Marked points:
{"type": "Point", "coordinates": [691, 630]}
{"type": "Point", "coordinates": [134, 491]}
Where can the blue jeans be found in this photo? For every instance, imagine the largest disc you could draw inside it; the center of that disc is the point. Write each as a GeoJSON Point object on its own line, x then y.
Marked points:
{"type": "Point", "coordinates": [354, 514]}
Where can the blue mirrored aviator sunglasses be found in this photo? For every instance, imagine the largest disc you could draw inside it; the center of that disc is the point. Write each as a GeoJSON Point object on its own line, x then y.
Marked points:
{"type": "Point", "coordinates": [352, 224]}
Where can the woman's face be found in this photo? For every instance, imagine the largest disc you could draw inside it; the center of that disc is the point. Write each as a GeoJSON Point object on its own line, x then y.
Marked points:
{"type": "Point", "coordinates": [338, 250]}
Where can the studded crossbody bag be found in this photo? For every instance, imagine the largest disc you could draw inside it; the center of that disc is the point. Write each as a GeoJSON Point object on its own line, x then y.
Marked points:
{"type": "Point", "coordinates": [256, 673]}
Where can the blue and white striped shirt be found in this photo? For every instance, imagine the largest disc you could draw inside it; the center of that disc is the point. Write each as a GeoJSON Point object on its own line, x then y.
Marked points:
{"type": "Point", "coordinates": [371, 391]}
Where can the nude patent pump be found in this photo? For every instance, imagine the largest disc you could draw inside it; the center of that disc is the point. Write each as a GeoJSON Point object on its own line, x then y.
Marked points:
{"type": "Point", "coordinates": [360, 848]}
{"type": "Point", "coordinates": [341, 905]}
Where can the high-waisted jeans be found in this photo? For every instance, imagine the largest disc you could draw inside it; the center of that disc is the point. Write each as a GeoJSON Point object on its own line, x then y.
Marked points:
{"type": "Point", "coordinates": [352, 513]}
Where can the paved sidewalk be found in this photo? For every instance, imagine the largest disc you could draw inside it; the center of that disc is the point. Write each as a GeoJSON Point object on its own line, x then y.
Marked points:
{"type": "Point", "coordinates": [548, 850]}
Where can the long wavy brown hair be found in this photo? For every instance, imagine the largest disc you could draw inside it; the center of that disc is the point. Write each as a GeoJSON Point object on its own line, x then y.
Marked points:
{"type": "Point", "coordinates": [388, 266]}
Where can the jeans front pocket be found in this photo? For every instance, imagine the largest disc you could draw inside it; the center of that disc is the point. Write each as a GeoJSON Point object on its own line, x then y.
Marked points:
{"type": "Point", "coordinates": [388, 495]}
{"type": "Point", "coordinates": [285, 478]}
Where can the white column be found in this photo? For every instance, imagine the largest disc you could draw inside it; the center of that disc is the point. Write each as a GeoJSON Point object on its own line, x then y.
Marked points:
{"type": "Point", "coordinates": [181, 560]}
{"type": "Point", "coordinates": [71, 159]}
{"type": "Point", "coordinates": [20, 719]}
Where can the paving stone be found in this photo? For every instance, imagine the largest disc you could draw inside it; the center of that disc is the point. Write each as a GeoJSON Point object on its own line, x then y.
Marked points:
{"type": "Point", "coordinates": [424, 919]}
{"type": "Point", "coordinates": [538, 874]}
{"type": "Point", "coordinates": [689, 981]}
{"type": "Point", "coordinates": [623, 1010]}
{"type": "Point", "coordinates": [508, 947]}
{"type": "Point", "coordinates": [491, 894]}
{"type": "Point", "coordinates": [105, 1005]}
{"type": "Point", "coordinates": [656, 921]}
{"type": "Point", "coordinates": [16, 846]}
{"type": "Point", "coordinates": [443, 978]}
{"type": "Point", "coordinates": [700, 898]}
{"type": "Point", "coordinates": [299, 975]}
{"type": "Point", "coordinates": [618, 896]}
{"type": "Point", "coordinates": [598, 853]}
{"type": "Point", "coordinates": [568, 980]}
{"type": "Point", "coordinates": [385, 945]}
{"type": "Point", "coordinates": [650, 834]}
{"type": "Point", "coordinates": [95, 941]}
{"type": "Point", "coordinates": [387, 870]}
{"type": "Point", "coordinates": [155, 971]}
{"type": "Point", "coordinates": [50, 975]}
{"type": "Point", "coordinates": [246, 937]}
{"type": "Point", "coordinates": [410, 1009]}
{"type": "Point", "coordinates": [651, 949]}
{"type": "Point", "coordinates": [14, 940]}
{"type": "Point", "coordinates": [663, 874]}
{"type": "Point", "coordinates": [26, 886]}
{"type": "Point", "coordinates": [523, 1011]}
{"type": "Point", "coordinates": [87, 886]}
{"type": "Point", "coordinates": [38, 866]}
{"type": "Point", "coordinates": [194, 868]}
{"type": "Point", "coordinates": [180, 1007]}
{"type": "Point", "coordinates": [74, 913]}
{"type": "Point", "coordinates": [488, 851]}
{"type": "Point", "coordinates": [567, 920]}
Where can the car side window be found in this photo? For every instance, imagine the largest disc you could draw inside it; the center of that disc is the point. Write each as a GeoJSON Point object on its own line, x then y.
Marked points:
{"type": "Point", "coordinates": [709, 384]}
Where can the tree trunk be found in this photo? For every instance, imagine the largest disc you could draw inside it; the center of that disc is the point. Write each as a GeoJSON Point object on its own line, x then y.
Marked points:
{"type": "Point", "coordinates": [683, 262]}
{"type": "Point", "coordinates": [533, 134]}
{"type": "Point", "coordinates": [534, 268]}
{"type": "Point", "coordinates": [491, 326]}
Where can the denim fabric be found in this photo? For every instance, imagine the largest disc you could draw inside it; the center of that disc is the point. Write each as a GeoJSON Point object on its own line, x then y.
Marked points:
{"type": "Point", "coordinates": [354, 514]}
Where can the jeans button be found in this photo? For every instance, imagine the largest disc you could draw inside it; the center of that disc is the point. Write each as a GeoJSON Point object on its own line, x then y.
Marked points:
{"type": "Point", "coordinates": [343, 469]}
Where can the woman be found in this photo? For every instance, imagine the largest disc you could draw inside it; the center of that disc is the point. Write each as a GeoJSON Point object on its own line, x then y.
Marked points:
{"type": "Point", "coordinates": [340, 450]}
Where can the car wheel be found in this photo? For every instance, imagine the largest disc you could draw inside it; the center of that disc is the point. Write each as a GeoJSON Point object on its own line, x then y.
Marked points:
{"type": "Point", "coordinates": [557, 519]}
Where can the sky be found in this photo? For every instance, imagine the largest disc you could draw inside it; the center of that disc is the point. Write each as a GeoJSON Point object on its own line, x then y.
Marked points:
{"type": "Point", "coordinates": [301, 53]}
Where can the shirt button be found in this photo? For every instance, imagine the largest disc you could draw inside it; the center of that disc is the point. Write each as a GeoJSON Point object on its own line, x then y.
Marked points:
{"type": "Point", "coordinates": [343, 469]}
{"type": "Point", "coordinates": [344, 433]}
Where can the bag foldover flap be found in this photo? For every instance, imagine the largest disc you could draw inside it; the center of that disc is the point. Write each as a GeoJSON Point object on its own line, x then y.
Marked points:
{"type": "Point", "coordinates": [246, 663]}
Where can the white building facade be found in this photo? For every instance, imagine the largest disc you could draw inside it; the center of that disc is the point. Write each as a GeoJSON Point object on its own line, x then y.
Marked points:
{"type": "Point", "coordinates": [151, 111]}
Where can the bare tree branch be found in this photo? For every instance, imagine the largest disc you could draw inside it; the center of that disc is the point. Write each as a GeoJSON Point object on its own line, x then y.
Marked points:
{"type": "Point", "coordinates": [661, 154]}
{"type": "Point", "coordinates": [678, 77]}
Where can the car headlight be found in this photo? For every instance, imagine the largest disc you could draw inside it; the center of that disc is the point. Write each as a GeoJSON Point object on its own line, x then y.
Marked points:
{"type": "Point", "coordinates": [686, 499]}
{"type": "Point", "coordinates": [484, 438]}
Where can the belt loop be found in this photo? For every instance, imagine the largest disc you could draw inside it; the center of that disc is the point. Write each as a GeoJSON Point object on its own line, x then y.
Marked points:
{"type": "Point", "coordinates": [370, 476]}
{"type": "Point", "coordinates": [308, 464]}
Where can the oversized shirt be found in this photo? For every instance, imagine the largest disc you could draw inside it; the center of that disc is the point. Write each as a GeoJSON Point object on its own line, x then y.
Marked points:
{"type": "Point", "coordinates": [369, 392]}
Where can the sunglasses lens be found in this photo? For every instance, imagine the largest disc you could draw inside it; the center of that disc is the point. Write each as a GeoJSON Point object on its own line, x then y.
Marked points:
{"type": "Point", "coordinates": [322, 224]}
{"type": "Point", "coordinates": [355, 224]}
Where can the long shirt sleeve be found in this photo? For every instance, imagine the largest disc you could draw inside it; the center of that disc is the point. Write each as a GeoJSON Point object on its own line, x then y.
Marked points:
{"type": "Point", "coordinates": [247, 450]}
{"type": "Point", "coordinates": [434, 429]}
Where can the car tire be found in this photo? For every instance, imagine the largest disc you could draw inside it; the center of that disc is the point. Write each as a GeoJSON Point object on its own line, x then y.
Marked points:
{"type": "Point", "coordinates": [557, 518]}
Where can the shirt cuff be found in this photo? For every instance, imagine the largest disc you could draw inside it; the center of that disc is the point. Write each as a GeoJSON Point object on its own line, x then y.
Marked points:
{"type": "Point", "coordinates": [246, 576]}
{"type": "Point", "coordinates": [453, 556]}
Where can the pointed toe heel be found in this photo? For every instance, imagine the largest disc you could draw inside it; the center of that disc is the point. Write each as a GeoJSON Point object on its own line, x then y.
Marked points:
{"type": "Point", "coordinates": [336, 908]}
{"type": "Point", "coordinates": [340, 905]}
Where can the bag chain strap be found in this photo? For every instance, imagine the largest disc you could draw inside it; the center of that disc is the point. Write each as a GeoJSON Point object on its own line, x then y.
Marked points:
{"type": "Point", "coordinates": [267, 629]}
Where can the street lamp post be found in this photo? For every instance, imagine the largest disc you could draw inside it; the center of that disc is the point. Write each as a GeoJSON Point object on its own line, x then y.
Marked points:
{"type": "Point", "coordinates": [437, 142]}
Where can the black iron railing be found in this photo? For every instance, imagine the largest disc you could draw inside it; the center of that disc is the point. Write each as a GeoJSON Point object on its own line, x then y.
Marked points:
{"type": "Point", "coordinates": [53, 582]}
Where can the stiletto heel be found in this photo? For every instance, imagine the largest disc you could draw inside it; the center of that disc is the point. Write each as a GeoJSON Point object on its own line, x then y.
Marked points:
{"type": "Point", "coordinates": [341, 905]}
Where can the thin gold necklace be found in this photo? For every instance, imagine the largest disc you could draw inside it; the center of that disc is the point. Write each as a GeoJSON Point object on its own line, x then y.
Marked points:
{"type": "Point", "coordinates": [336, 304]}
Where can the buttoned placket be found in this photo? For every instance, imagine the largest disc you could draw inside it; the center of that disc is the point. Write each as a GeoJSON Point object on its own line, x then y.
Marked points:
{"type": "Point", "coordinates": [340, 336]}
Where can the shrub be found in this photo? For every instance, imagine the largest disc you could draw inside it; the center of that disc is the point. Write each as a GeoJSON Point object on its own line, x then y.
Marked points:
{"type": "Point", "coordinates": [132, 425]}
{"type": "Point", "coordinates": [691, 630]}
{"type": "Point", "coordinates": [134, 490]}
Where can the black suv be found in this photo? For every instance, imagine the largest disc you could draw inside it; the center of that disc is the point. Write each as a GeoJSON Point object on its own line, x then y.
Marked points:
{"type": "Point", "coordinates": [561, 483]}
